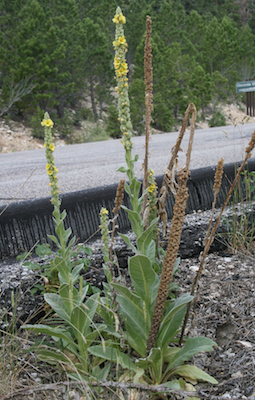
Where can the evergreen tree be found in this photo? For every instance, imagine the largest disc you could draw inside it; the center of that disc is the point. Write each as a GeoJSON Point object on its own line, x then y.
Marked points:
{"type": "Point", "coordinates": [43, 47]}
{"type": "Point", "coordinates": [200, 86]}
{"type": "Point", "coordinates": [98, 71]}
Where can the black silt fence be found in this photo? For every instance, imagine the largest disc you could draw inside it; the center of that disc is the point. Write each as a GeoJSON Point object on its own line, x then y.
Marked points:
{"type": "Point", "coordinates": [24, 223]}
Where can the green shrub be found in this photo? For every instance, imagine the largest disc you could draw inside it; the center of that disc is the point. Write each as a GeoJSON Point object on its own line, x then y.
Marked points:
{"type": "Point", "coordinates": [218, 119]}
{"type": "Point", "coordinates": [112, 122]}
{"type": "Point", "coordinates": [35, 123]}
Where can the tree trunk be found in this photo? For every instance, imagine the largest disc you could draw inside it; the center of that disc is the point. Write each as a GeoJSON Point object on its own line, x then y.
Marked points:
{"type": "Point", "coordinates": [60, 110]}
{"type": "Point", "coordinates": [92, 96]}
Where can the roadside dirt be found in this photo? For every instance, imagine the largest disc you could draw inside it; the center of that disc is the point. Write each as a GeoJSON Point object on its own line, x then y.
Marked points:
{"type": "Point", "coordinates": [15, 136]}
{"type": "Point", "coordinates": [224, 312]}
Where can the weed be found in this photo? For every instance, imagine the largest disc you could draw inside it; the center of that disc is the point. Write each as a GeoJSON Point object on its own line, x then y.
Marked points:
{"type": "Point", "coordinates": [126, 335]}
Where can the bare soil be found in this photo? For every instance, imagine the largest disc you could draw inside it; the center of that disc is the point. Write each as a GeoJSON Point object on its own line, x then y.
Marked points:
{"type": "Point", "coordinates": [224, 312]}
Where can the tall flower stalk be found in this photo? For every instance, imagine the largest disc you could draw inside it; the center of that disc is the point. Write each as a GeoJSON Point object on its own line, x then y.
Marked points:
{"type": "Point", "coordinates": [148, 80]}
{"type": "Point", "coordinates": [50, 167]}
{"type": "Point", "coordinates": [121, 71]}
{"type": "Point", "coordinates": [62, 235]}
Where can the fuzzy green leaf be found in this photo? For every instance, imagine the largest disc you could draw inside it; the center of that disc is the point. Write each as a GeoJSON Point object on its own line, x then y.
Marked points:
{"type": "Point", "coordinates": [136, 221]}
{"type": "Point", "coordinates": [143, 276]}
{"type": "Point", "coordinates": [193, 372]}
{"type": "Point", "coordinates": [51, 331]}
{"type": "Point", "coordinates": [191, 347]}
{"type": "Point", "coordinates": [57, 305]}
{"type": "Point", "coordinates": [145, 238]}
{"type": "Point", "coordinates": [128, 241]}
{"type": "Point", "coordinates": [114, 355]}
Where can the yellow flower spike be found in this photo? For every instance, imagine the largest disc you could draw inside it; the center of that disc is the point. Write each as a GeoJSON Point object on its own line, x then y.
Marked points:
{"type": "Point", "coordinates": [50, 166]}
{"type": "Point", "coordinates": [121, 70]}
{"type": "Point", "coordinates": [104, 211]}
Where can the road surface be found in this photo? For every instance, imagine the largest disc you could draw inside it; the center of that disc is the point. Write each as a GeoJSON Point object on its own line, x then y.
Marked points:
{"type": "Point", "coordinates": [23, 175]}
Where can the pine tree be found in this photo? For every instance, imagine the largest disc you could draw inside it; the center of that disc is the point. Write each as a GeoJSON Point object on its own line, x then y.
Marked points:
{"type": "Point", "coordinates": [98, 71]}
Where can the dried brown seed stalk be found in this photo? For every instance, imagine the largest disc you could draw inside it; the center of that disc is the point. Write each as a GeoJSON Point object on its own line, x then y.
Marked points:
{"type": "Point", "coordinates": [248, 151]}
{"type": "Point", "coordinates": [171, 255]}
{"type": "Point", "coordinates": [169, 184]}
{"type": "Point", "coordinates": [216, 187]}
{"type": "Point", "coordinates": [148, 79]}
{"type": "Point", "coordinates": [174, 236]}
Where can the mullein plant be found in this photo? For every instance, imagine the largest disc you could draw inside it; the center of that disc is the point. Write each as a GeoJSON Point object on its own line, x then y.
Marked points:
{"type": "Point", "coordinates": [73, 333]}
{"type": "Point", "coordinates": [133, 189]}
{"type": "Point", "coordinates": [121, 71]}
{"type": "Point", "coordinates": [142, 308]}
{"type": "Point", "coordinates": [63, 235]}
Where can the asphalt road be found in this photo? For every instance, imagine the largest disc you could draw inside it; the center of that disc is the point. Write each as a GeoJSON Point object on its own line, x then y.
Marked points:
{"type": "Point", "coordinates": [23, 175]}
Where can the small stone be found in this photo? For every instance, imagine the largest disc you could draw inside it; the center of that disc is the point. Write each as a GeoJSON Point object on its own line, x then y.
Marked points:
{"type": "Point", "coordinates": [226, 396]}
{"type": "Point", "coordinates": [237, 375]}
{"type": "Point", "coordinates": [249, 391]}
{"type": "Point", "coordinates": [194, 268]}
{"type": "Point", "coordinates": [244, 343]}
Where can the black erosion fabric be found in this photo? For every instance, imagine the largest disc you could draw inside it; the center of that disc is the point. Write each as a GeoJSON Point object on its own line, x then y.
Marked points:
{"type": "Point", "coordinates": [23, 224]}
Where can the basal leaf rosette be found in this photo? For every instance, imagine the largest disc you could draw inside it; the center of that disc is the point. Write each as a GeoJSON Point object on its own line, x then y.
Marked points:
{"type": "Point", "coordinates": [121, 71]}
{"type": "Point", "coordinates": [50, 167]}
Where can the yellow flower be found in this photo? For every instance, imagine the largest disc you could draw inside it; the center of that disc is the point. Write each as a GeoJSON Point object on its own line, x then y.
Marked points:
{"type": "Point", "coordinates": [104, 211]}
{"type": "Point", "coordinates": [116, 63]}
{"type": "Point", "coordinates": [115, 19]}
{"type": "Point", "coordinates": [47, 167]}
{"type": "Point", "coordinates": [122, 40]}
{"type": "Point", "coordinates": [122, 19]}
{"type": "Point", "coordinates": [47, 122]}
{"type": "Point", "coordinates": [55, 168]}
{"type": "Point", "coordinates": [52, 147]}
{"type": "Point", "coordinates": [49, 172]}
{"type": "Point", "coordinates": [152, 188]}
{"type": "Point", "coordinates": [116, 88]}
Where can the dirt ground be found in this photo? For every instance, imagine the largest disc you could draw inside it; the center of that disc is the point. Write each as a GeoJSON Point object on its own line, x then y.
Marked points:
{"type": "Point", "coordinates": [15, 136]}
{"type": "Point", "coordinates": [224, 312]}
